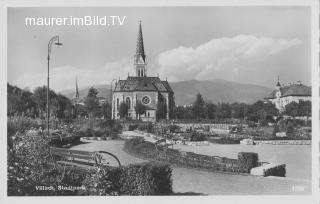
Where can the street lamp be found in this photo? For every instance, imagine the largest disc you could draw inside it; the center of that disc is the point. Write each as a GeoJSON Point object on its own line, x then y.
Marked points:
{"type": "Point", "coordinates": [56, 41]}
{"type": "Point", "coordinates": [112, 107]}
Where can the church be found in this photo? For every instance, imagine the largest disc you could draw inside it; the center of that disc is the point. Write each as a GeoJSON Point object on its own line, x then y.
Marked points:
{"type": "Point", "coordinates": [155, 94]}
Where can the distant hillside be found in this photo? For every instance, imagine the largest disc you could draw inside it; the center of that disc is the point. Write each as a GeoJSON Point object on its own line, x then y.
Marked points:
{"type": "Point", "coordinates": [185, 91]}
{"type": "Point", "coordinates": [218, 91]}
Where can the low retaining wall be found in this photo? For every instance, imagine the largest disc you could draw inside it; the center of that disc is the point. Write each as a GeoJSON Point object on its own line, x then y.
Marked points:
{"type": "Point", "coordinates": [283, 142]}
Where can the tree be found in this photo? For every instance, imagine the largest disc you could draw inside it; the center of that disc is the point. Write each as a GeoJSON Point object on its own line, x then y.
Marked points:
{"type": "Point", "coordinates": [262, 112]}
{"type": "Point", "coordinates": [123, 110]}
{"type": "Point", "coordinates": [225, 110]}
{"type": "Point", "coordinates": [140, 109]}
{"type": "Point", "coordinates": [106, 110]}
{"type": "Point", "coordinates": [62, 107]}
{"type": "Point", "coordinates": [199, 107]}
{"type": "Point", "coordinates": [40, 98]}
{"type": "Point", "coordinates": [292, 109]}
{"type": "Point", "coordinates": [91, 103]}
{"type": "Point", "coordinates": [305, 108]}
{"type": "Point", "coordinates": [211, 110]}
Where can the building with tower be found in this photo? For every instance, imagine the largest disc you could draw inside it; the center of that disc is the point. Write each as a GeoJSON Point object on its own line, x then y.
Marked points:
{"type": "Point", "coordinates": [285, 94]}
{"type": "Point", "coordinates": [155, 94]}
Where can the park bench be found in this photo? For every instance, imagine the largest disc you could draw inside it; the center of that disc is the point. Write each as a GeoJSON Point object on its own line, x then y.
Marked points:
{"type": "Point", "coordinates": [82, 160]}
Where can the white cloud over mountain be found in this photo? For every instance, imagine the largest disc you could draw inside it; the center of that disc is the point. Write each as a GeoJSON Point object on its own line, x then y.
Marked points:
{"type": "Point", "coordinates": [220, 57]}
{"type": "Point", "coordinates": [225, 58]}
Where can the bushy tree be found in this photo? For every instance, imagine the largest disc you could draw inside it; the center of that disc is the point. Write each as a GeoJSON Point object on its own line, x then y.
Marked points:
{"type": "Point", "coordinates": [140, 109]}
{"type": "Point", "coordinates": [91, 103]}
{"type": "Point", "coordinates": [106, 110]}
{"type": "Point", "coordinates": [211, 110]}
{"type": "Point", "coordinates": [123, 110]}
{"type": "Point", "coordinates": [198, 108]}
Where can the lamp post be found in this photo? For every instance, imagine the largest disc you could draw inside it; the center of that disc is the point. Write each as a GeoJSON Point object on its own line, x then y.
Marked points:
{"type": "Point", "coordinates": [54, 40]}
{"type": "Point", "coordinates": [112, 107]}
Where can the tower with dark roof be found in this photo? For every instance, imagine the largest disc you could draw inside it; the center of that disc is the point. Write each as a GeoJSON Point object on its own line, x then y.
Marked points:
{"type": "Point", "coordinates": [285, 94]}
{"type": "Point", "coordinates": [140, 63]}
{"type": "Point", "coordinates": [155, 94]}
{"type": "Point", "coordinates": [76, 94]}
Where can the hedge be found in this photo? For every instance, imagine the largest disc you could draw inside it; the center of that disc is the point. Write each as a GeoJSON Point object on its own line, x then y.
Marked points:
{"type": "Point", "coordinates": [148, 150]}
{"type": "Point", "coordinates": [138, 179]}
{"type": "Point", "coordinates": [247, 160]}
{"type": "Point", "coordinates": [59, 142]}
{"type": "Point", "coordinates": [276, 171]}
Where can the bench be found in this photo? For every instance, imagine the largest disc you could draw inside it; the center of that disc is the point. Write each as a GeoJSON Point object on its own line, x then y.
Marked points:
{"type": "Point", "coordinates": [81, 160]}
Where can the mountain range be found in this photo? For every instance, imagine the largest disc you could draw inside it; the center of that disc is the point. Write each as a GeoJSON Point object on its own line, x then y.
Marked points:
{"type": "Point", "coordinates": [185, 91]}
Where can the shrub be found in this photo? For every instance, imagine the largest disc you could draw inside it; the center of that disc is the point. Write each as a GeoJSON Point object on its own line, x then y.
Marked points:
{"type": "Point", "coordinates": [247, 160]}
{"type": "Point", "coordinates": [289, 128]}
{"type": "Point", "coordinates": [132, 127]}
{"type": "Point", "coordinates": [198, 136]}
{"type": "Point", "coordinates": [138, 179]}
{"type": "Point", "coordinates": [30, 164]}
{"type": "Point", "coordinates": [276, 171]}
{"type": "Point", "coordinates": [18, 125]}
{"type": "Point", "coordinates": [150, 128]}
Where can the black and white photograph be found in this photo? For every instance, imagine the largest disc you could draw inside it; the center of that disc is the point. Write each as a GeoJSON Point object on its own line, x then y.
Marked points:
{"type": "Point", "coordinates": [142, 100]}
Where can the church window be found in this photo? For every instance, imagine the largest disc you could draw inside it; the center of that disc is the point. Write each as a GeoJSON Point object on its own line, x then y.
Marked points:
{"type": "Point", "coordinates": [146, 100]}
{"type": "Point", "coordinates": [128, 102]}
{"type": "Point", "coordinates": [148, 115]}
{"type": "Point", "coordinates": [117, 103]}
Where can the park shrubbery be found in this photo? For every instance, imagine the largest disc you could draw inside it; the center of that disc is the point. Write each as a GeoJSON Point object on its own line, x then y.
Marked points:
{"type": "Point", "coordinates": [138, 179]}
{"type": "Point", "coordinates": [30, 164]}
{"type": "Point", "coordinates": [148, 150]}
{"type": "Point", "coordinates": [247, 160]}
{"type": "Point", "coordinates": [225, 140]}
{"type": "Point", "coordinates": [276, 171]}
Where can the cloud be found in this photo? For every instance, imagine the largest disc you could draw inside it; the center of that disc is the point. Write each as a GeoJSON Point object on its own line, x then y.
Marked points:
{"type": "Point", "coordinates": [63, 77]}
{"type": "Point", "coordinates": [220, 58]}
{"type": "Point", "coordinates": [224, 58]}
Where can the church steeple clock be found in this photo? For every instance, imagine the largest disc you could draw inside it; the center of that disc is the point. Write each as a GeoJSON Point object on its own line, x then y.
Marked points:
{"type": "Point", "coordinates": [140, 63]}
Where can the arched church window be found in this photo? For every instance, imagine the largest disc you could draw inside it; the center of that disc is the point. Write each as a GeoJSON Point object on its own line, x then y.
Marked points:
{"type": "Point", "coordinates": [138, 72]}
{"type": "Point", "coordinates": [128, 102]}
{"type": "Point", "coordinates": [117, 103]}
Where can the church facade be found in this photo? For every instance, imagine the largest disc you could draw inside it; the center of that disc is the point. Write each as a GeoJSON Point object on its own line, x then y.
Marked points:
{"type": "Point", "coordinates": [154, 94]}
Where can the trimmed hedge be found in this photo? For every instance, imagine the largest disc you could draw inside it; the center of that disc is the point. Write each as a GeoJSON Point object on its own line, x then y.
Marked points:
{"type": "Point", "coordinates": [139, 179]}
{"type": "Point", "coordinates": [276, 171]}
{"type": "Point", "coordinates": [59, 142]}
{"type": "Point", "coordinates": [247, 160]}
{"type": "Point", "coordinates": [148, 150]}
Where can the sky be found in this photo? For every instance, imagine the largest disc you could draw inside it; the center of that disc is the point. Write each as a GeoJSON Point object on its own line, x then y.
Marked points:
{"type": "Point", "coordinates": [252, 45]}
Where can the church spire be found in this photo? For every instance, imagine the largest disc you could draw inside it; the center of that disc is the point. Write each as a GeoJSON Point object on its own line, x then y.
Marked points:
{"type": "Point", "coordinates": [140, 57]}
{"type": "Point", "coordinates": [278, 83]}
{"type": "Point", "coordinates": [77, 90]}
{"type": "Point", "coordinates": [140, 46]}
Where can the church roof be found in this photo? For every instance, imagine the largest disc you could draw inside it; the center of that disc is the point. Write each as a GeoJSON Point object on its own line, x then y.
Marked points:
{"type": "Point", "coordinates": [292, 90]}
{"type": "Point", "coordinates": [143, 84]}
